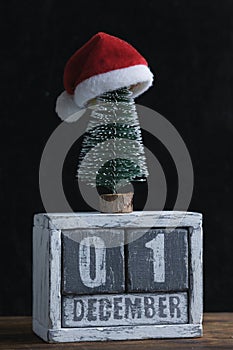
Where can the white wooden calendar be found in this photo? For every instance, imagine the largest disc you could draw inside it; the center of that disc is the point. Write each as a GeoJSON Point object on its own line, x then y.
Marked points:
{"type": "Point", "coordinates": [117, 276]}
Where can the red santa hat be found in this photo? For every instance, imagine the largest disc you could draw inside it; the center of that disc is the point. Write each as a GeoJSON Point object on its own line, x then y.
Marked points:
{"type": "Point", "coordinates": [105, 63]}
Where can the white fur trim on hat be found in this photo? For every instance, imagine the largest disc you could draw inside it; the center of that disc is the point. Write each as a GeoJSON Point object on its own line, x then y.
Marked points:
{"type": "Point", "coordinates": [71, 107]}
{"type": "Point", "coordinates": [67, 109]}
{"type": "Point", "coordinates": [138, 75]}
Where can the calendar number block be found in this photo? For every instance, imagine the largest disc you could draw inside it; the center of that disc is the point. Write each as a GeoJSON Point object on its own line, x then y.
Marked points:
{"type": "Point", "coordinates": [90, 264]}
{"type": "Point", "coordinates": [158, 260]}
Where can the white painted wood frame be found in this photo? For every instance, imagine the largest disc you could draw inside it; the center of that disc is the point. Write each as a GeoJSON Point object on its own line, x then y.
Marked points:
{"type": "Point", "coordinates": [47, 270]}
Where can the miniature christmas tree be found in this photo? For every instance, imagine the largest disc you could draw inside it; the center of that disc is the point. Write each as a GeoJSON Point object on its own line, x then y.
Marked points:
{"type": "Point", "coordinates": [112, 152]}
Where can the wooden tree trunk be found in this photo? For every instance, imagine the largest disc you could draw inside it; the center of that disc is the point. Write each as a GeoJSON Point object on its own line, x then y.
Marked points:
{"type": "Point", "coordinates": [116, 203]}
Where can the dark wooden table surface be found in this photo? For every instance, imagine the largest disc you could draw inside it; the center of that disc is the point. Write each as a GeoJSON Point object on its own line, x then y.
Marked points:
{"type": "Point", "coordinates": [16, 333]}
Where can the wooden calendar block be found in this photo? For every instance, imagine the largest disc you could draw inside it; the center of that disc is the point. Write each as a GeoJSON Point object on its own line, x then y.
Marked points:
{"type": "Point", "coordinates": [90, 264]}
{"type": "Point", "coordinates": [158, 260]}
{"type": "Point", "coordinates": [117, 276]}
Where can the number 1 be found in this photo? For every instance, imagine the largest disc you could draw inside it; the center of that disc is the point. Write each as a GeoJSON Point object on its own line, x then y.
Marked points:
{"type": "Point", "coordinates": [157, 246]}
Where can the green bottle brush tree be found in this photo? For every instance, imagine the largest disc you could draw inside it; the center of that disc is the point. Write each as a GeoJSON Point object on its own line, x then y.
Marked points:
{"type": "Point", "coordinates": [112, 153]}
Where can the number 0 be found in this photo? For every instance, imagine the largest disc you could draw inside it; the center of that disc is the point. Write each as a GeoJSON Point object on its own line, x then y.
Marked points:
{"type": "Point", "coordinates": [157, 246]}
{"type": "Point", "coordinates": [85, 261]}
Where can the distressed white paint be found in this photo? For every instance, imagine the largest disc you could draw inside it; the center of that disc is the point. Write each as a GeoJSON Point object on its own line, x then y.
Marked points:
{"type": "Point", "coordinates": [41, 276]}
{"type": "Point", "coordinates": [157, 246]}
{"type": "Point", "coordinates": [47, 275]}
{"type": "Point", "coordinates": [126, 220]}
{"type": "Point", "coordinates": [55, 278]}
{"type": "Point", "coordinates": [125, 309]}
{"type": "Point", "coordinates": [120, 333]}
{"type": "Point", "coordinates": [196, 276]}
{"type": "Point", "coordinates": [85, 261]}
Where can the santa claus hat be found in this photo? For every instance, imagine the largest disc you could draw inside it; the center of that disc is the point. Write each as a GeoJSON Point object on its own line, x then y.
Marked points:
{"type": "Point", "coordinates": [105, 63]}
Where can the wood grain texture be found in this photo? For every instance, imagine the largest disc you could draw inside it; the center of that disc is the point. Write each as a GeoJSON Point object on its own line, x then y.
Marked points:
{"type": "Point", "coordinates": [116, 203]}
{"type": "Point", "coordinates": [196, 275]}
{"type": "Point", "coordinates": [40, 269]}
{"type": "Point", "coordinates": [46, 278]}
{"type": "Point", "coordinates": [150, 254]}
{"type": "Point", "coordinates": [55, 278]}
{"type": "Point", "coordinates": [126, 220]}
{"type": "Point", "coordinates": [125, 333]}
{"type": "Point", "coordinates": [16, 333]}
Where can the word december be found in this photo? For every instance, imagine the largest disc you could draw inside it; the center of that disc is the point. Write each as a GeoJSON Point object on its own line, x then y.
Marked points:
{"type": "Point", "coordinates": [119, 307]}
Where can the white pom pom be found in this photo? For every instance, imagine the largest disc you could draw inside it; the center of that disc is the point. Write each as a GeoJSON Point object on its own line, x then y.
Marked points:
{"type": "Point", "coordinates": [67, 109]}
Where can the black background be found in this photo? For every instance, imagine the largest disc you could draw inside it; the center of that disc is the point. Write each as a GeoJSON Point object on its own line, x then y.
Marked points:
{"type": "Point", "coordinates": [189, 47]}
